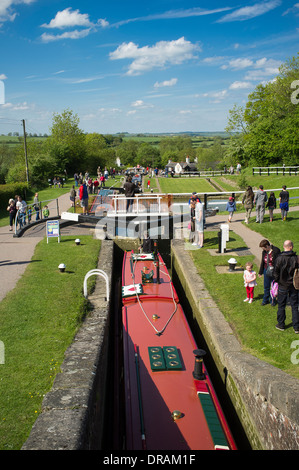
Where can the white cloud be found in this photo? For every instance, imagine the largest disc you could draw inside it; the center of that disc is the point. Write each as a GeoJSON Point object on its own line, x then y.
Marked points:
{"type": "Point", "coordinates": [166, 83]}
{"type": "Point", "coordinates": [263, 68]}
{"type": "Point", "coordinates": [89, 117]}
{"type": "Point", "coordinates": [103, 23]}
{"type": "Point", "coordinates": [3, 76]}
{"type": "Point", "coordinates": [6, 8]}
{"type": "Point", "coordinates": [160, 55]}
{"type": "Point", "coordinates": [240, 85]}
{"type": "Point", "coordinates": [21, 107]}
{"type": "Point", "coordinates": [16, 107]}
{"type": "Point", "coordinates": [45, 37]}
{"type": "Point", "coordinates": [137, 103]}
{"type": "Point", "coordinates": [248, 12]}
{"type": "Point", "coordinates": [238, 64]}
{"type": "Point", "coordinates": [217, 96]}
{"type": "Point", "coordinates": [141, 104]}
{"type": "Point", "coordinates": [174, 14]}
{"type": "Point", "coordinates": [259, 69]}
{"type": "Point", "coordinates": [70, 19]}
{"type": "Point", "coordinates": [294, 9]}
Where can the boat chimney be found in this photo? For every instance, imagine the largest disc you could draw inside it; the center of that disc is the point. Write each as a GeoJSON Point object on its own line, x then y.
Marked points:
{"type": "Point", "coordinates": [198, 373]}
{"type": "Point", "coordinates": [156, 257]}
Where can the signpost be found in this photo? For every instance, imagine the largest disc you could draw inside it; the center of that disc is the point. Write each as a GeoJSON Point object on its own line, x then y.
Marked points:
{"type": "Point", "coordinates": [53, 229]}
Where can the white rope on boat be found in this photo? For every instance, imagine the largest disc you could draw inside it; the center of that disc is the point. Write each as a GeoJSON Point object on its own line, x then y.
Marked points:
{"type": "Point", "coordinates": [158, 332]}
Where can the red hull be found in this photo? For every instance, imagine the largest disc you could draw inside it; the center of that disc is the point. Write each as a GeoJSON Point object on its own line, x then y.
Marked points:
{"type": "Point", "coordinates": [152, 396]}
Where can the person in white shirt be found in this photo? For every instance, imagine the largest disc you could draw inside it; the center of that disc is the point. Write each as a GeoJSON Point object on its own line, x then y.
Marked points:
{"type": "Point", "coordinates": [21, 207]}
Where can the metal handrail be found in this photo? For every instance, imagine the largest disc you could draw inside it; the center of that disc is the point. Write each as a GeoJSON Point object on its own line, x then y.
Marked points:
{"type": "Point", "coordinates": [34, 211]}
{"type": "Point", "coordinates": [97, 272]}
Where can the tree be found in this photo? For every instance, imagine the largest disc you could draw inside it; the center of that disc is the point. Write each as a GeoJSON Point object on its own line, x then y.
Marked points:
{"type": "Point", "coordinates": [268, 126]}
{"type": "Point", "coordinates": [94, 143]}
{"type": "Point", "coordinates": [148, 155]}
{"type": "Point", "coordinates": [67, 142]}
{"type": "Point", "coordinates": [127, 152]}
{"type": "Point", "coordinates": [274, 119]}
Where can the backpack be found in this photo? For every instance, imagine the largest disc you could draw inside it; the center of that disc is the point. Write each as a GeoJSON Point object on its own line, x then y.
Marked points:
{"type": "Point", "coordinates": [274, 289]}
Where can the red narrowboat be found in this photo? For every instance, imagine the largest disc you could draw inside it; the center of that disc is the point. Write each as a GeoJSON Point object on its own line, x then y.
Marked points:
{"type": "Point", "coordinates": [170, 402]}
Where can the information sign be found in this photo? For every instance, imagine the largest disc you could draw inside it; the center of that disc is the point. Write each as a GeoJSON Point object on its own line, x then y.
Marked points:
{"type": "Point", "coordinates": [53, 230]}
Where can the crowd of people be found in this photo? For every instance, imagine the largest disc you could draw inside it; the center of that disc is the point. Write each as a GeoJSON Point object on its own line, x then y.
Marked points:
{"type": "Point", "coordinates": [20, 213]}
{"type": "Point", "coordinates": [94, 184]}
{"type": "Point", "coordinates": [85, 186]}
{"type": "Point", "coordinates": [261, 201]}
{"type": "Point", "coordinates": [250, 200]}
{"type": "Point", "coordinates": [277, 267]}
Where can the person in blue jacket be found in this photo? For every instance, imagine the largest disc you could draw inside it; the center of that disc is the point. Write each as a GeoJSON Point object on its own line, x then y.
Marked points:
{"type": "Point", "coordinates": [231, 208]}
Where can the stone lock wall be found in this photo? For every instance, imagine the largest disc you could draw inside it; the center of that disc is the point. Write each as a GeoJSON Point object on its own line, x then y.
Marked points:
{"type": "Point", "coordinates": [265, 398]}
{"type": "Point", "coordinates": [73, 411]}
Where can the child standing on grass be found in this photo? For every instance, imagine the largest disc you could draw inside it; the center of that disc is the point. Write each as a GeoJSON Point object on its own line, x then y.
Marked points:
{"type": "Point", "coordinates": [249, 281]}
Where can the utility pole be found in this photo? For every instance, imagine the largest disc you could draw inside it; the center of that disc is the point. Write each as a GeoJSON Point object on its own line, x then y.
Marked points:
{"type": "Point", "coordinates": [25, 150]}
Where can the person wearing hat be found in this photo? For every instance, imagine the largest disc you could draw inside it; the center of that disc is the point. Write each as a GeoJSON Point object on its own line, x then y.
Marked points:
{"type": "Point", "coordinates": [194, 198]}
{"type": "Point", "coordinates": [231, 208]}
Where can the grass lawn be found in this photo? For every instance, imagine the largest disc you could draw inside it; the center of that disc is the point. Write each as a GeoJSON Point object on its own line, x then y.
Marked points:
{"type": "Point", "coordinates": [185, 185]}
{"type": "Point", "coordinates": [38, 321]}
{"type": "Point", "coordinates": [253, 324]}
{"type": "Point", "coordinates": [153, 184]}
{"type": "Point", "coordinates": [231, 182]}
{"type": "Point", "coordinates": [278, 231]}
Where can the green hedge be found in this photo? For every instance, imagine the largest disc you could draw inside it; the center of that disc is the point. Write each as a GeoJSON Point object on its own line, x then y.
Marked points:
{"type": "Point", "coordinates": [8, 191]}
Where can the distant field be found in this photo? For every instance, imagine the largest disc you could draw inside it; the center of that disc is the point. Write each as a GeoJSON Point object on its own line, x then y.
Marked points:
{"type": "Point", "coordinates": [152, 139]}
{"type": "Point", "coordinates": [14, 140]}
{"type": "Point", "coordinates": [197, 140]}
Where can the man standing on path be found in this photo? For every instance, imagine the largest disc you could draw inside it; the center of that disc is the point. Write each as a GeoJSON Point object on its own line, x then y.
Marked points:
{"type": "Point", "coordinates": [260, 200]}
{"type": "Point", "coordinates": [83, 195]}
{"type": "Point", "coordinates": [285, 266]}
{"type": "Point", "coordinates": [130, 189]}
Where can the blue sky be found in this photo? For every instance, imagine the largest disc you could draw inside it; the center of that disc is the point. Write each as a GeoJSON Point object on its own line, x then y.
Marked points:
{"type": "Point", "coordinates": [159, 66]}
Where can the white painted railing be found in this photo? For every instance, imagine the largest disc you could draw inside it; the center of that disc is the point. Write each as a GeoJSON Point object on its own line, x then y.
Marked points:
{"type": "Point", "coordinates": [96, 272]}
{"type": "Point", "coordinates": [158, 203]}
